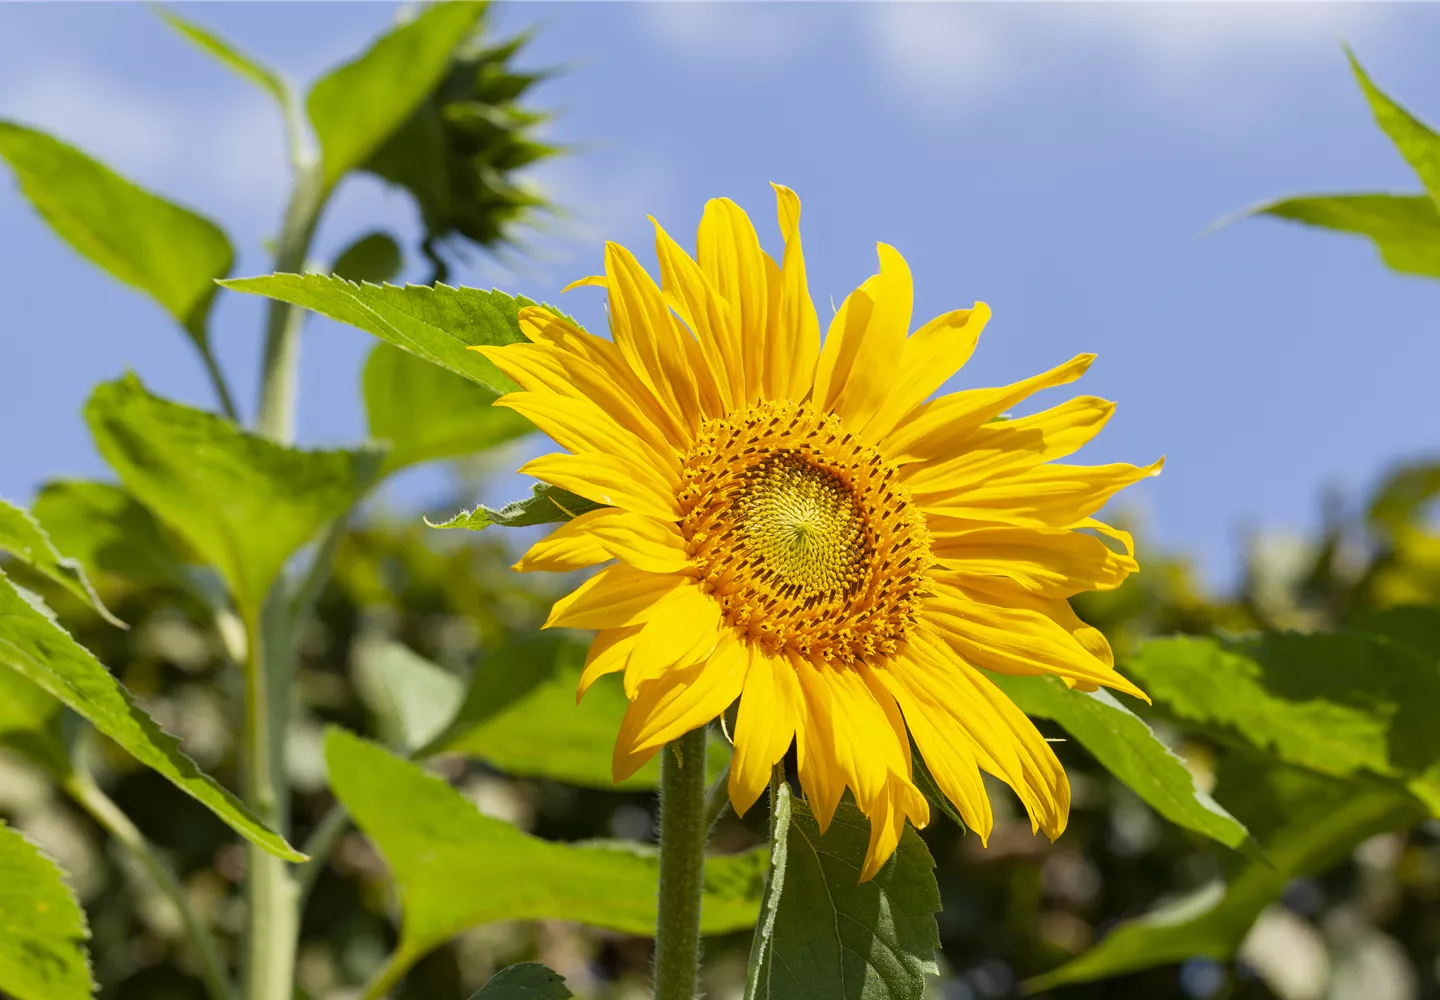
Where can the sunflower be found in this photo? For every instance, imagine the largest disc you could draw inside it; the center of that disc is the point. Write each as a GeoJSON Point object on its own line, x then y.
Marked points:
{"type": "Point", "coordinates": [796, 525]}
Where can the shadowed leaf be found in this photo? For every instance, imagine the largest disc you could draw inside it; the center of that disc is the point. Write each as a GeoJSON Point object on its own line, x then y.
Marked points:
{"type": "Point", "coordinates": [42, 928]}
{"type": "Point", "coordinates": [526, 981]}
{"type": "Point", "coordinates": [546, 505]}
{"type": "Point", "coordinates": [22, 536]}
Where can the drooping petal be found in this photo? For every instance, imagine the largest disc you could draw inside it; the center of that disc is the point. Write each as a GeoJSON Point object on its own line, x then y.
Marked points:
{"type": "Point", "coordinates": [1012, 446]}
{"type": "Point", "coordinates": [866, 340]}
{"type": "Point", "coordinates": [612, 480]}
{"type": "Point", "coordinates": [932, 355]}
{"type": "Point", "coordinates": [676, 702]}
{"type": "Point", "coordinates": [901, 801]}
{"type": "Point", "coordinates": [684, 629]}
{"type": "Point", "coordinates": [608, 654]}
{"type": "Point", "coordinates": [1015, 640]}
{"type": "Point", "coordinates": [616, 596]}
{"type": "Point", "coordinates": [798, 341]}
{"type": "Point", "coordinates": [770, 709]}
{"type": "Point", "coordinates": [942, 426]}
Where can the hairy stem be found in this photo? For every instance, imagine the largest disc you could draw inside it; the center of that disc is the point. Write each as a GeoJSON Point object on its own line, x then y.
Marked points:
{"type": "Point", "coordinates": [271, 887]}
{"type": "Point", "coordinates": [683, 832]}
{"type": "Point", "coordinates": [82, 788]}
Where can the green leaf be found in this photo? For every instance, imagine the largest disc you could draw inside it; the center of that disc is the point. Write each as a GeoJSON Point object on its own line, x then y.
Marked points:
{"type": "Point", "coordinates": [1317, 822]}
{"type": "Point", "coordinates": [168, 252]}
{"type": "Point", "coordinates": [1416, 141]}
{"type": "Point", "coordinates": [546, 505]}
{"type": "Point", "coordinates": [1404, 228]}
{"type": "Point", "coordinates": [1342, 704]}
{"type": "Point", "coordinates": [245, 503]}
{"type": "Point", "coordinates": [526, 981]}
{"type": "Point", "coordinates": [825, 935]}
{"type": "Point", "coordinates": [32, 643]}
{"type": "Point", "coordinates": [357, 106]}
{"type": "Point", "coordinates": [1400, 500]}
{"type": "Point", "coordinates": [256, 72]}
{"type": "Point", "coordinates": [520, 715]}
{"type": "Point", "coordinates": [412, 698]}
{"type": "Point", "coordinates": [455, 868]}
{"type": "Point", "coordinates": [108, 531]}
{"type": "Point", "coordinates": [30, 724]}
{"type": "Point", "coordinates": [23, 537]}
{"type": "Point", "coordinates": [1414, 625]}
{"type": "Point", "coordinates": [436, 323]}
{"type": "Point", "coordinates": [1124, 745]}
{"type": "Point", "coordinates": [427, 413]}
{"type": "Point", "coordinates": [374, 257]}
{"type": "Point", "coordinates": [42, 928]}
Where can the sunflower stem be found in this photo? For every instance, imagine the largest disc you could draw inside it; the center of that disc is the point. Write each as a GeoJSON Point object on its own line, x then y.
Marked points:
{"type": "Point", "coordinates": [683, 832]}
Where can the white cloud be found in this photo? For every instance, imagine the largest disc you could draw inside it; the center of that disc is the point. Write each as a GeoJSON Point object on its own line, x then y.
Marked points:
{"type": "Point", "coordinates": [195, 145]}
{"type": "Point", "coordinates": [951, 54]}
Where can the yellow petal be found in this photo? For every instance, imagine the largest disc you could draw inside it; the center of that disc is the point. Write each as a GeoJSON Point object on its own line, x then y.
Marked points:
{"type": "Point", "coordinates": [1048, 562]}
{"type": "Point", "coordinates": [1015, 640]}
{"type": "Point", "coordinates": [932, 355]}
{"type": "Point", "coordinates": [764, 727]}
{"type": "Point", "coordinates": [608, 654]}
{"type": "Point", "coordinates": [616, 596]}
{"type": "Point", "coordinates": [609, 480]}
{"type": "Point", "coordinates": [604, 380]}
{"type": "Point", "coordinates": [580, 426]}
{"type": "Point", "coordinates": [729, 254]}
{"type": "Point", "coordinates": [687, 291]}
{"type": "Point", "coordinates": [887, 817]}
{"type": "Point", "coordinates": [650, 338]}
{"type": "Point", "coordinates": [798, 342]}
{"type": "Point", "coordinates": [820, 773]}
{"type": "Point", "coordinates": [683, 630]}
{"type": "Point", "coordinates": [863, 347]}
{"type": "Point", "coordinates": [643, 542]}
{"type": "Point", "coordinates": [1047, 496]}
{"type": "Point", "coordinates": [566, 548]}
{"type": "Point", "coordinates": [676, 702]}
{"type": "Point", "coordinates": [942, 426]}
{"type": "Point", "coordinates": [1012, 446]}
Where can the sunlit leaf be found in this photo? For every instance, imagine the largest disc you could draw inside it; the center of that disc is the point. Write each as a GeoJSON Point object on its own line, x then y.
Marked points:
{"type": "Point", "coordinates": [520, 715]}
{"type": "Point", "coordinates": [412, 698]}
{"type": "Point", "coordinates": [455, 867]}
{"type": "Point", "coordinates": [546, 505]}
{"type": "Point", "coordinates": [1342, 704]}
{"type": "Point", "coordinates": [32, 643]}
{"type": "Point", "coordinates": [23, 537]}
{"type": "Point", "coordinates": [1403, 495]}
{"type": "Point", "coordinates": [426, 413]}
{"type": "Point", "coordinates": [526, 981]}
{"type": "Point", "coordinates": [824, 934]}
{"type": "Point", "coordinates": [108, 531]}
{"type": "Point", "coordinates": [1404, 228]}
{"type": "Point", "coordinates": [436, 323]}
{"type": "Point", "coordinates": [1415, 140]}
{"type": "Point", "coordinates": [1306, 824]}
{"type": "Point", "coordinates": [42, 928]}
{"type": "Point", "coordinates": [166, 251]}
{"type": "Point", "coordinates": [1125, 746]}
{"type": "Point", "coordinates": [242, 501]}
{"type": "Point", "coordinates": [251, 69]}
{"type": "Point", "coordinates": [374, 257]}
{"type": "Point", "coordinates": [357, 106]}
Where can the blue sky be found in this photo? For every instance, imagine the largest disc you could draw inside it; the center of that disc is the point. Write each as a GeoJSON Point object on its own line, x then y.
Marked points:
{"type": "Point", "coordinates": [1059, 162]}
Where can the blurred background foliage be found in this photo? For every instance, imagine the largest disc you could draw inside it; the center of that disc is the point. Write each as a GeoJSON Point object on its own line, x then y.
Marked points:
{"type": "Point", "coordinates": [1358, 912]}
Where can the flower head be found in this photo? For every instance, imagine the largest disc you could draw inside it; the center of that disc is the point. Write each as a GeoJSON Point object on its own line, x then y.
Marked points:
{"type": "Point", "coordinates": [799, 527]}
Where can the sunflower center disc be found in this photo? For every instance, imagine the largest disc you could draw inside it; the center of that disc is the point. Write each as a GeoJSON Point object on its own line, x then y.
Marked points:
{"type": "Point", "coordinates": [804, 534]}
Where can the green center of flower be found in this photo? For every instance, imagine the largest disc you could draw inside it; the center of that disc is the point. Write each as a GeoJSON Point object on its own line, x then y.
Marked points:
{"type": "Point", "coordinates": [803, 524]}
{"type": "Point", "coordinates": [803, 534]}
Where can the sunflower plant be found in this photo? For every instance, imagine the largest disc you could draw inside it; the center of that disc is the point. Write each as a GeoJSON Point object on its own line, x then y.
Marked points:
{"type": "Point", "coordinates": [813, 594]}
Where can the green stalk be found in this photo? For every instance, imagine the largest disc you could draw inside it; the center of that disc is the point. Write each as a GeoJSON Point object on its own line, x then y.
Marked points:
{"type": "Point", "coordinates": [683, 832]}
{"type": "Point", "coordinates": [281, 362]}
{"type": "Point", "coordinates": [82, 788]}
